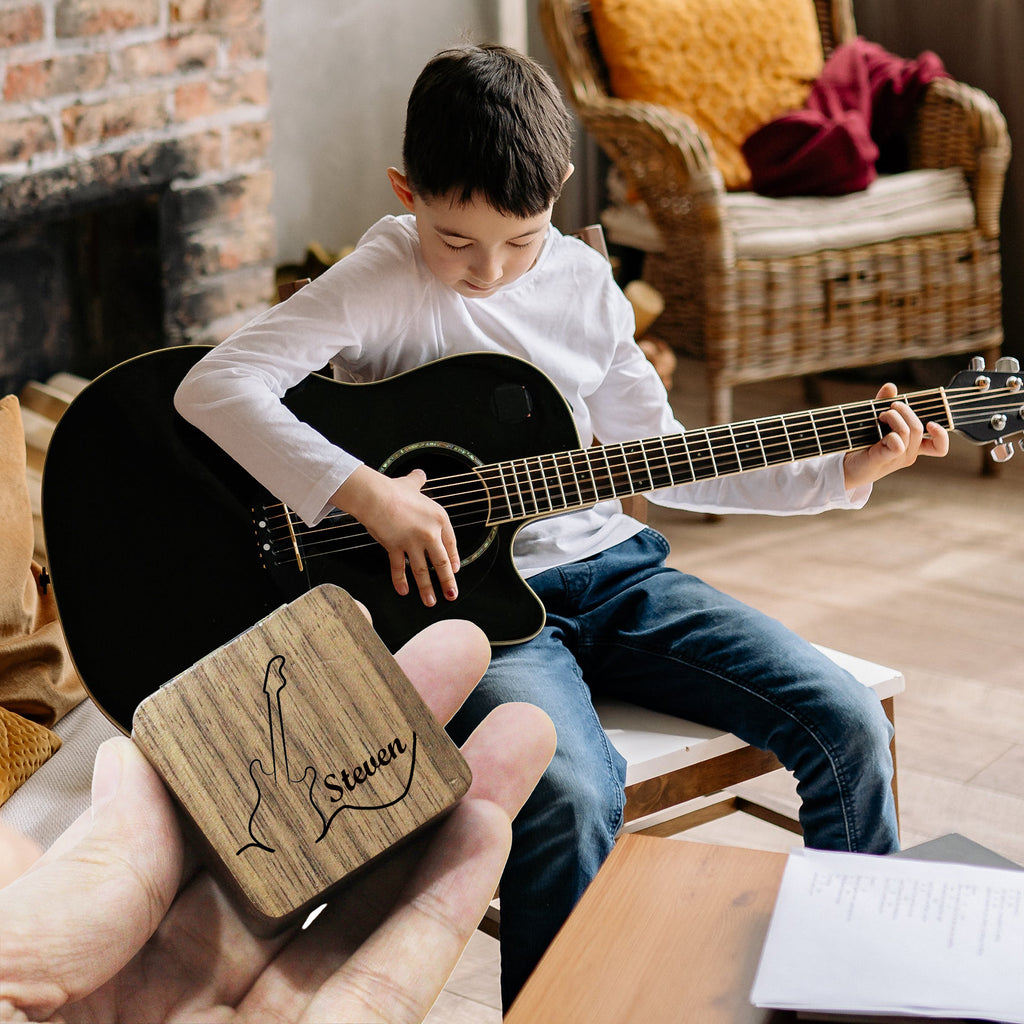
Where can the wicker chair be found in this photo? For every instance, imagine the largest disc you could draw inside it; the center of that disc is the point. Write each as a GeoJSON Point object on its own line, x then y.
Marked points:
{"type": "Point", "coordinates": [756, 319]}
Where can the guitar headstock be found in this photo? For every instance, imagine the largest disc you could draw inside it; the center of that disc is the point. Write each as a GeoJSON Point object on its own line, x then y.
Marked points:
{"type": "Point", "coordinates": [987, 406]}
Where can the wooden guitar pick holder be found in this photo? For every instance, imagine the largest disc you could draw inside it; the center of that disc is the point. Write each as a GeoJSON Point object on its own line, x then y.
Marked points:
{"type": "Point", "coordinates": [302, 754]}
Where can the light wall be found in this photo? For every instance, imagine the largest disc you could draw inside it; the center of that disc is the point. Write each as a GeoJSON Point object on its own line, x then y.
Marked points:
{"type": "Point", "coordinates": [340, 75]}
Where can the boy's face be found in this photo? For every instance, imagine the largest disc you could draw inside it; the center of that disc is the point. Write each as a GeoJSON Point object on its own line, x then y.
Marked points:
{"type": "Point", "coordinates": [472, 247]}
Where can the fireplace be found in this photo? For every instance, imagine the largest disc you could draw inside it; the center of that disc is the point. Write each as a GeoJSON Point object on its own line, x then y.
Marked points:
{"type": "Point", "coordinates": [134, 182]}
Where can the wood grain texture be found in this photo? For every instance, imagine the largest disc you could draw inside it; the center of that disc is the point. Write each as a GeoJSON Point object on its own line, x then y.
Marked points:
{"type": "Point", "coordinates": [301, 752]}
{"type": "Point", "coordinates": [667, 931]}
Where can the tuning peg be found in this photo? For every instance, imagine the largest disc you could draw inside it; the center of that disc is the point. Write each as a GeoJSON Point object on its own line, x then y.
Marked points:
{"type": "Point", "coordinates": [1002, 452]}
{"type": "Point", "coordinates": [1007, 364]}
{"type": "Point", "coordinates": [977, 363]}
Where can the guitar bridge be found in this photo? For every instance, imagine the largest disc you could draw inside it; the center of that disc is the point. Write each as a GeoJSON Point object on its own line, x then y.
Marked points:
{"type": "Point", "coordinates": [264, 537]}
{"type": "Point", "coordinates": [279, 537]}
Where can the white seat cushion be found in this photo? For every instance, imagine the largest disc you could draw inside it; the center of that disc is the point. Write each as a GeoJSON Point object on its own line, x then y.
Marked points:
{"type": "Point", "coordinates": [894, 206]}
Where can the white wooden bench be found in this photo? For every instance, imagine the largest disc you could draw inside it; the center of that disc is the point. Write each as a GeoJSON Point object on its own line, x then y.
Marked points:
{"type": "Point", "coordinates": [679, 773]}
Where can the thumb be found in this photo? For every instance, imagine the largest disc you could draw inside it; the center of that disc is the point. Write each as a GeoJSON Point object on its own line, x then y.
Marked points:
{"type": "Point", "coordinates": [84, 910]}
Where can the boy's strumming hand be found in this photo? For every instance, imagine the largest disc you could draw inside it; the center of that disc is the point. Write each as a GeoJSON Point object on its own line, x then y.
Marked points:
{"type": "Point", "coordinates": [908, 438]}
{"type": "Point", "coordinates": [411, 527]}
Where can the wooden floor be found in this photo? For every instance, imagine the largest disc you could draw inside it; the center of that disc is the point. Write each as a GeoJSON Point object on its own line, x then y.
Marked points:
{"type": "Point", "coordinates": [929, 578]}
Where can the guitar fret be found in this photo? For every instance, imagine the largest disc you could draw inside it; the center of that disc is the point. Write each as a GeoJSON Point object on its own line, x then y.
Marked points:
{"type": "Point", "coordinates": [595, 489]}
{"type": "Point", "coordinates": [558, 477]}
{"type": "Point", "coordinates": [785, 434]}
{"type": "Point", "coordinates": [529, 484]}
{"type": "Point", "coordinates": [688, 457]}
{"type": "Point", "coordinates": [720, 458]}
{"type": "Point", "coordinates": [760, 443]}
{"type": "Point", "coordinates": [629, 451]}
{"type": "Point", "coordinates": [735, 446]}
{"type": "Point", "coordinates": [544, 480]}
{"type": "Point", "coordinates": [659, 471]}
{"type": "Point", "coordinates": [604, 485]}
{"type": "Point", "coordinates": [701, 456]}
{"type": "Point", "coordinates": [749, 449]}
{"type": "Point", "coordinates": [508, 497]}
{"type": "Point", "coordinates": [647, 465]}
{"type": "Point", "coordinates": [612, 489]}
{"type": "Point", "coordinates": [846, 427]}
{"type": "Point", "coordinates": [877, 408]}
{"type": "Point", "coordinates": [627, 488]}
{"type": "Point", "coordinates": [576, 481]}
{"type": "Point", "coordinates": [515, 497]}
{"type": "Point", "coordinates": [668, 463]}
{"type": "Point", "coordinates": [802, 435]}
{"type": "Point", "coordinates": [568, 478]}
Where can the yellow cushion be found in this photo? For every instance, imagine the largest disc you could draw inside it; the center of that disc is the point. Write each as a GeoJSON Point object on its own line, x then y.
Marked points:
{"type": "Point", "coordinates": [731, 65]}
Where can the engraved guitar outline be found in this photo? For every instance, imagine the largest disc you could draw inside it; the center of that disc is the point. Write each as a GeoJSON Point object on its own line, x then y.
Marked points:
{"type": "Point", "coordinates": [276, 733]}
{"type": "Point", "coordinates": [275, 667]}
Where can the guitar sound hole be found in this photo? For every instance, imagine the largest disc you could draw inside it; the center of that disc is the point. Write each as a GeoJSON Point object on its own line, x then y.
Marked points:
{"type": "Point", "coordinates": [452, 484]}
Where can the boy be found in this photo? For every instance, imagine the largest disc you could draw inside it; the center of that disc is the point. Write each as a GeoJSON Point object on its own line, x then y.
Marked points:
{"type": "Point", "coordinates": [476, 265]}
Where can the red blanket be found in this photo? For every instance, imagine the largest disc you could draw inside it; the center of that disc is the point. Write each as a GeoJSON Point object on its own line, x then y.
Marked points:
{"type": "Point", "coordinates": [858, 107]}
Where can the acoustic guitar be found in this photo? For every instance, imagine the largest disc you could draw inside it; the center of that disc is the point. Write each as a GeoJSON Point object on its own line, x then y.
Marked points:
{"type": "Point", "coordinates": [162, 548]}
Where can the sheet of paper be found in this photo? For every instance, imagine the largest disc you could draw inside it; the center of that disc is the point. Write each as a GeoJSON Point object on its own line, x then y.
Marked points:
{"type": "Point", "coordinates": [852, 933]}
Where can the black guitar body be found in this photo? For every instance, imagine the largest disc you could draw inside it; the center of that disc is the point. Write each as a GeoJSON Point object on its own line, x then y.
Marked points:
{"type": "Point", "coordinates": [152, 531]}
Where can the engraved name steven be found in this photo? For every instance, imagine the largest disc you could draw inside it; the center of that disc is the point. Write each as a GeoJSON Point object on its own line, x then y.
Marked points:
{"type": "Point", "coordinates": [278, 791]}
{"type": "Point", "coordinates": [360, 773]}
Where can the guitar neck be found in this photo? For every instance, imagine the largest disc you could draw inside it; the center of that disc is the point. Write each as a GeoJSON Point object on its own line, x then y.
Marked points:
{"type": "Point", "coordinates": [547, 484]}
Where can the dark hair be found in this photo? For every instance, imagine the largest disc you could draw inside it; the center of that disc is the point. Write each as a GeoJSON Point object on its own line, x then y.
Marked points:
{"type": "Point", "coordinates": [487, 121]}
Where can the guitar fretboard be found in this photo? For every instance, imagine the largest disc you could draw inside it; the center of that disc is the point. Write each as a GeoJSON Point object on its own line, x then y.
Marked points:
{"type": "Point", "coordinates": [546, 484]}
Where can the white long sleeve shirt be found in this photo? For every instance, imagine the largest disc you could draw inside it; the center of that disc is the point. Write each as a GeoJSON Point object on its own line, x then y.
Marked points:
{"type": "Point", "coordinates": [380, 311]}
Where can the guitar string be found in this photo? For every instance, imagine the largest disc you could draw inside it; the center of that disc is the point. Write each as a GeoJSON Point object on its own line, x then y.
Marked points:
{"type": "Point", "coordinates": [681, 443]}
{"type": "Point", "coordinates": [337, 526]}
{"type": "Point", "coordinates": [819, 425]}
{"type": "Point", "coordinates": [350, 526]}
{"type": "Point", "coordinates": [581, 459]}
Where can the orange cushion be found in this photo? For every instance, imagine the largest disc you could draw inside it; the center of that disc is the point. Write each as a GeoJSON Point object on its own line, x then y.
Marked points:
{"type": "Point", "coordinates": [730, 65]}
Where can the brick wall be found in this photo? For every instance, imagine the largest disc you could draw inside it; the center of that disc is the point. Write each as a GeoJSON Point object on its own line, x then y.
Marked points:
{"type": "Point", "coordinates": [107, 97]}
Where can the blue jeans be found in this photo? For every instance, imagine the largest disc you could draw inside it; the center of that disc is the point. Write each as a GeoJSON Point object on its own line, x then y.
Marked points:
{"type": "Point", "coordinates": [622, 624]}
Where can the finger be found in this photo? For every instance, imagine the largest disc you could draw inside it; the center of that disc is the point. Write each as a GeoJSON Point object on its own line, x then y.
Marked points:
{"type": "Point", "coordinates": [445, 573]}
{"type": "Point", "coordinates": [399, 580]}
{"type": "Point", "coordinates": [17, 853]}
{"type": "Point", "coordinates": [417, 478]}
{"type": "Point", "coordinates": [421, 576]}
{"type": "Point", "coordinates": [886, 391]}
{"type": "Point", "coordinates": [504, 752]}
{"type": "Point", "coordinates": [397, 973]}
{"type": "Point", "coordinates": [444, 662]}
{"type": "Point", "coordinates": [113, 886]}
{"type": "Point", "coordinates": [204, 955]}
{"type": "Point", "coordinates": [938, 440]}
{"type": "Point", "coordinates": [451, 546]}
{"type": "Point", "coordinates": [900, 420]}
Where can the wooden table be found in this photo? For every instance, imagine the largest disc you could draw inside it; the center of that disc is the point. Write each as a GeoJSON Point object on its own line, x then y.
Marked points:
{"type": "Point", "coordinates": [668, 931]}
